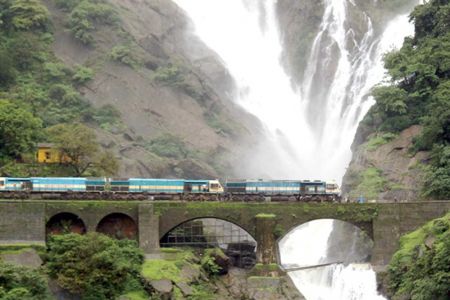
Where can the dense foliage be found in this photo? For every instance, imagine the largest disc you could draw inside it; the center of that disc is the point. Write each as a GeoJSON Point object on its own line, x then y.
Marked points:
{"type": "Point", "coordinates": [93, 265]}
{"type": "Point", "coordinates": [420, 269]}
{"type": "Point", "coordinates": [419, 92]}
{"type": "Point", "coordinates": [37, 90]}
{"type": "Point", "coordinates": [22, 283]}
{"type": "Point", "coordinates": [78, 144]}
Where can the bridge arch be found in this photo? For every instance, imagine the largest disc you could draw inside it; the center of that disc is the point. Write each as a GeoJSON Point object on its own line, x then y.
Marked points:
{"type": "Point", "coordinates": [324, 241]}
{"type": "Point", "coordinates": [65, 222]}
{"type": "Point", "coordinates": [119, 226]}
{"type": "Point", "coordinates": [212, 232]}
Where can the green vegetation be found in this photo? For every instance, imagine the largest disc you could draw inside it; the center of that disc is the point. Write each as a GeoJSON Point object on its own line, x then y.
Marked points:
{"type": "Point", "coordinates": [126, 55]}
{"type": "Point", "coordinates": [86, 16]}
{"type": "Point", "coordinates": [19, 130]}
{"type": "Point", "coordinates": [82, 74]}
{"type": "Point", "coordinates": [157, 269]}
{"type": "Point", "coordinates": [209, 261]}
{"type": "Point", "coordinates": [370, 183]}
{"type": "Point", "coordinates": [108, 118]}
{"type": "Point", "coordinates": [170, 268]}
{"type": "Point", "coordinates": [93, 265]}
{"type": "Point", "coordinates": [168, 145]}
{"type": "Point", "coordinates": [22, 283]}
{"type": "Point", "coordinates": [378, 140]}
{"type": "Point", "coordinates": [265, 216]}
{"type": "Point", "coordinates": [171, 75]}
{"type": "Point", "coordinates": [418, 92]}
{"type": "Point", "coordinates": [420, 268]}
{"type": "Point", "coordinates": [38, 91]}
{"type": "Point", "coordinates": [77, 143]}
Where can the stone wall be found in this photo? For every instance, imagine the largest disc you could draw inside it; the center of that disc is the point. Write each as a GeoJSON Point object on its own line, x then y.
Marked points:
{"type": "Point", "coordinates": [25, 221]}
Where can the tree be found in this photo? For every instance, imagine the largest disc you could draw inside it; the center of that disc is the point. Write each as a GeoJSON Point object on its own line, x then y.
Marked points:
{"type": "Point", "coordinates": [19, 129]}
{"type": "Point", "coordinates": [94, 265]}
{"type": "Point", "coordinates": [7, 71]}
{"type": "Point", "coordinates": [420, 268]}
{"type": "Point", "coordinates": [21, 283]}
{"type": "Point", "coordinates": [29, 14]}
{"type": "Point", "coordinates": [78, 143]}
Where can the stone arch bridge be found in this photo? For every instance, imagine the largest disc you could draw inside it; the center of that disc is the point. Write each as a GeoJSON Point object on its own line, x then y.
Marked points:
{"type": "Point", "coordinates": [29, 221]}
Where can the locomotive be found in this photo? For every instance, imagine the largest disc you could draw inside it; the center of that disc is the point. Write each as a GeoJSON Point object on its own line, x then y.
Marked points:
{"type": "Point", "coordinates": [73, 188]}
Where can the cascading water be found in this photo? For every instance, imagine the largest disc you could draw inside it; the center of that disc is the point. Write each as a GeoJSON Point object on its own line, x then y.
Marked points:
{"type": "Point", "coordinates": [309, 127]}
{"type": "Point", "coordinates": [309, 245]}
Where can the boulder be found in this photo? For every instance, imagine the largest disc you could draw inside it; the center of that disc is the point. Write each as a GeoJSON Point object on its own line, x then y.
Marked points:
{"type": "Point", "coordinates": [163, 288]}
{"type": "Point", "coordinates": [185, 288]}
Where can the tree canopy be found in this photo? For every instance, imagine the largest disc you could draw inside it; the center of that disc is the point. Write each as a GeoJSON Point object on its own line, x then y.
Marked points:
{"type": "Point", "coordinates": [78, 143]}
{"type": "Point", "coordinates": [22, 283]}
{"type": "Point", "coordinates": [93, 265]}
{"type": "Point", "coordinates": [19, 129]}
{"type": "Point", "coordinates": [420, 269]}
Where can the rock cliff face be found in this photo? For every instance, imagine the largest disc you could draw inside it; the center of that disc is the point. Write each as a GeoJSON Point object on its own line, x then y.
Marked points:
{"type": "Point", "coordinates": [176, 113]}
{"type": "Point", "coordinates": [385, 169]}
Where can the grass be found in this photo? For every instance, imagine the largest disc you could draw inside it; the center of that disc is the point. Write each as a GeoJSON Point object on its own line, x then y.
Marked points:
{"type": "Point", "coordinates": [371, 184]}
{"type": "Point", "coordinates": [378, 140]}
{"type": "Point", "coordinates": [157, 269]}
{"type": "Point", "coordinates": [136, 295]}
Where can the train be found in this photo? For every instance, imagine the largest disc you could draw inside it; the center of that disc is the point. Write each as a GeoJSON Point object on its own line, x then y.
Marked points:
{"type": "Point", "coordinates": [74, 188]}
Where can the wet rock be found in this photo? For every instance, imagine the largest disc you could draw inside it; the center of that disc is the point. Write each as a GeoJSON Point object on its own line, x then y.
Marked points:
{"type": "Point", "coordinates": [190, 274]}
{"type": "Point", "coordinates": [185, 288]}
{"type": "Point", "coordinates": [163, 287]}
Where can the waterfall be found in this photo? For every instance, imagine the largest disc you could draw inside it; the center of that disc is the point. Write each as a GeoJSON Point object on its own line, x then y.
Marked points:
{"type": "Point", "coordinates": [309, 245]}
{"type": "Point", "coordinates": [308, 128]}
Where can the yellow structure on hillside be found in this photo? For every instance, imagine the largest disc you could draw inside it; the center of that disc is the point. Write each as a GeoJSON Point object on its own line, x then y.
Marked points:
{"type": "Point", "coordinates": [47, 153]}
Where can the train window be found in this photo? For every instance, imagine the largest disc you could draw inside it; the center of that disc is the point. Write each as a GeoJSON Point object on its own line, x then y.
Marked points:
{"type": "Point", "coordinates": [48, 155]}
{"type": "Point", "coordinates": [2, 183]}
{"type": "Point", "coordinates": [214, 186]}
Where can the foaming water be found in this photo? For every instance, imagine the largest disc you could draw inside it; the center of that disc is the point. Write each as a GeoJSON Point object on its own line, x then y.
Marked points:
{"type": "Point", "coordinates": [316, 243]}
{"type": "Point", "coordinates": [310, 127]}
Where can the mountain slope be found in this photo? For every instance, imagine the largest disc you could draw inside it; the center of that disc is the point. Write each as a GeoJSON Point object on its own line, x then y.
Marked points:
{"type": "Point", "coordinates": [173, 94]}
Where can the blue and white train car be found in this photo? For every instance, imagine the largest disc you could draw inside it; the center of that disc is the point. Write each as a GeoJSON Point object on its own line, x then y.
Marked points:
{"type": "Point", "coordinates": [58, 184]}
{"type": "Point", "coordinates": [156, 186]}
{"type": "Point", "coordinates": [15, 184]}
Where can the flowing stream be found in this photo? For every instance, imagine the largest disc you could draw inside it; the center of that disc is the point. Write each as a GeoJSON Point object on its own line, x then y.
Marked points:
{"type": "Point", "coordinates": [309, 126]}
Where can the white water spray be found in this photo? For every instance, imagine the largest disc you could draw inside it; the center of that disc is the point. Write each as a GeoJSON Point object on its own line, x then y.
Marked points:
{"type": "Point", "coordinates": [309, 129]}
{"type": "Point", "coordinates": [308, 245]}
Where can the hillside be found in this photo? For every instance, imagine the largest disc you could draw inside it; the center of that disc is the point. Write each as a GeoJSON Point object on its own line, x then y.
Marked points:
{"type": "Point", "coordinates": [403, 143]}
{"type": "Point", "coordinates": [158, 99]}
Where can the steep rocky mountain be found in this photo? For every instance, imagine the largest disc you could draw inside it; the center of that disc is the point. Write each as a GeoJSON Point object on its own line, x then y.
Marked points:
{"type": "Point", "coordinates": [173, 94]}
{"type": "Point", "coordinates": [384, 169]}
